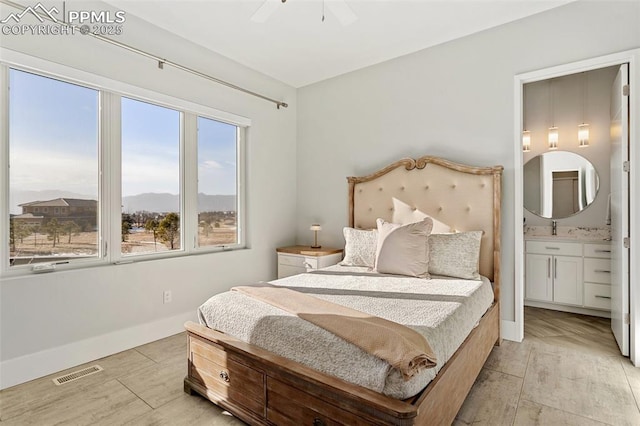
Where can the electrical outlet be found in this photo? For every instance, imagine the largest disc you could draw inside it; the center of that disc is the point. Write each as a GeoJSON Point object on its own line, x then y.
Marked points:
{"type": "Point", "coordinates": [166, 296]}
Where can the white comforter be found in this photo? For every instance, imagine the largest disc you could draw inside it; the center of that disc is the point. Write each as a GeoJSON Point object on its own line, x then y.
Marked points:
{"type": "Point", "coordinates": [443, 310]}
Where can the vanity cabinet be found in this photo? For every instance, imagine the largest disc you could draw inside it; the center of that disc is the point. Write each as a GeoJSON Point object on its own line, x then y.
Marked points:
{"type": "Point", "coordinates": [597, 276]}
{"type": "Point", "coordinates": [554, 272]}
{"type": "Point", "coordinates": [566, 273]}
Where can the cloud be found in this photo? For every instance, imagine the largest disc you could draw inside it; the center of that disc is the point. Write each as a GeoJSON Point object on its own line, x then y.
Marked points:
{"type": "Point", "coordinates": [43, 169]}
{"type": "Point", "coordinates": [211, 164]}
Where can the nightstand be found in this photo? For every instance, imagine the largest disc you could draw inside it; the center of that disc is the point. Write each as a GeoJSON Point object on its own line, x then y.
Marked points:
{"type": "Point", "coordinates": [300, 259]}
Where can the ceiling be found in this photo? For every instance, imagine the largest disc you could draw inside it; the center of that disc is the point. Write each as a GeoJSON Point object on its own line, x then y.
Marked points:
{"type": "Point", "coordinates": [297, 48]}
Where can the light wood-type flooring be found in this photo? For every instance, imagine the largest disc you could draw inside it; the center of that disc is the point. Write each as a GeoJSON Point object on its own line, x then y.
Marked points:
{"type": "Point", "coordinates": [567, 371]}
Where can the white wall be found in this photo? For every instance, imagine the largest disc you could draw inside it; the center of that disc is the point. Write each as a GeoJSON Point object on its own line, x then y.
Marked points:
{"type": "Point", "coordinates": [567, 95]}
{"type": "Point", "coordinates": [454, 100]}
{"type": "Point", "coordinates": [45, 320]}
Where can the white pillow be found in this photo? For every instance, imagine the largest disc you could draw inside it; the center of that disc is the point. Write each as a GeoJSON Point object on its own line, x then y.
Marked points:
{"type": "Point", "coordinates": [403, 249]}
{"type": "Point", "coordinates": [455, 255]}
{"type": "Point", "coordinates": [360, 247]}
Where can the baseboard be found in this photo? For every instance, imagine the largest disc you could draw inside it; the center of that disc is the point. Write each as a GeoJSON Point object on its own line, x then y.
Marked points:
{"type": "Point", "coordinates": [509, 330]}
{"type": "Point", "coordinates": [567, 308]}
{"type": "Point", "coordinates": [28, 367]}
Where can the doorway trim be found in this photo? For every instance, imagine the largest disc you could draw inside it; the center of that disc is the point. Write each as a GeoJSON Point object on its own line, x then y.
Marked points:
{"type": "Point", "coordinates": [632, 57]}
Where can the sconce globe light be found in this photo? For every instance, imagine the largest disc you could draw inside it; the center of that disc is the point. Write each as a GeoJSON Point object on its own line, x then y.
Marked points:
{"type": "Point", "coordinates": [526, 141]}
{"type": "Point", "coordinates": [583, 135]}
{"type": "Point", "coordinates": [315, 228]}
{"type": "Point", "coordinates": [553, 137]}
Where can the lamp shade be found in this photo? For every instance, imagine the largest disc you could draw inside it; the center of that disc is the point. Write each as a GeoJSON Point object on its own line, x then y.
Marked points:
{"type": "Point", "coordinates": [315, 227]}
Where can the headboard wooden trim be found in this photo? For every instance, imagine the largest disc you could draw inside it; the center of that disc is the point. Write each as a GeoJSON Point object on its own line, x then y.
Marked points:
{"type": "Point", "coordinates": [420, 163]}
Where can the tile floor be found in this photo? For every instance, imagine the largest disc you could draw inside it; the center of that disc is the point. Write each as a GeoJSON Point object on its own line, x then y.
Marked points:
{"type": "Point", "coordinates": [567, 371]}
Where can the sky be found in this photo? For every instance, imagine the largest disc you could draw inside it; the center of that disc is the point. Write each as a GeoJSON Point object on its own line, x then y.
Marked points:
{"type": "Point", "coordinates": [54, 142]}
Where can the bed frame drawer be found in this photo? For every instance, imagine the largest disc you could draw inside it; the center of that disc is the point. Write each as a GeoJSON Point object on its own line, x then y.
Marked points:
{"type": "Point", "coordinates": [216, 370]}
{"type": "Point", "coordinates": [288, 405]}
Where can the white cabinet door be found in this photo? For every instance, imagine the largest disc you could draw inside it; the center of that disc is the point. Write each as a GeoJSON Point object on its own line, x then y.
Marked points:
{"type": "Point", "coordinates": [538, 282]}
{"type": "Point", "coordinates": [620, 210]}
{"type": "Point", "coordinates": [567, 280]}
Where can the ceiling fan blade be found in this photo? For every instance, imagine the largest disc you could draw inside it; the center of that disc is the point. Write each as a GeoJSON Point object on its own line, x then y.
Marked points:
{"type": "Point", "coordinates": [265, 10]}
{"type": "Point", "coordinates": [342, 11]}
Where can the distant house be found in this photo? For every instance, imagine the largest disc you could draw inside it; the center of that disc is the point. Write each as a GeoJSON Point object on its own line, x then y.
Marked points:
{"type": "Point", "coordinates": [27, 219]}
{"type": "Point", "coordinates": [83, 212]}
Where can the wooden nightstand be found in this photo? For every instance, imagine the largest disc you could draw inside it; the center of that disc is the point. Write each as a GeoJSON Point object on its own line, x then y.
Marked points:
{"type": "Point", "coordinates": [300, 259]}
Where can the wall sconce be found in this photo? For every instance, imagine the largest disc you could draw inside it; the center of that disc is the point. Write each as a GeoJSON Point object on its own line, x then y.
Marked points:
{"type": "Point", "coordinates": [553, 137]}
{"type": "Point", "coordinates": [583, 129]}
{"type": "Point", "coordinates": [583, 135]}
{"type": "Point", "coordinates": [526, 141]}
{"type": "Point", "coordinates": [553, 130]}
{"type": "Point", "coordinates": [315, 228]}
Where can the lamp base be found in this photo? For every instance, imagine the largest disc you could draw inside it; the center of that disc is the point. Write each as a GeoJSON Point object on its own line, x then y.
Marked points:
{"type": "Point", "coordinates": [316, 246]}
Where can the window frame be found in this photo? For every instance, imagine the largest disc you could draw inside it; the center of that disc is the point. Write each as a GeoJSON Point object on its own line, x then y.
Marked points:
{"type": "Point", "coordinates": [109, 165]}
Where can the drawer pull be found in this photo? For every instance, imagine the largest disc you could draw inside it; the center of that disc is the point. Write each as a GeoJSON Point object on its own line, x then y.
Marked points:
{"type": "Point", "coordinates": [308, 265]}
{"type": "Point", "coordinates": [602, 297]}
{"type": "Point", "coordinates": [552, 248]}
{"type": "Point", "coordinates": [225, 376]}
{"type": "Point", "coordinates": [602, 271]}
{"type": "Point", "coordinates": [602, 251]}
{"type": "Point", "coordinates": [318, 422]}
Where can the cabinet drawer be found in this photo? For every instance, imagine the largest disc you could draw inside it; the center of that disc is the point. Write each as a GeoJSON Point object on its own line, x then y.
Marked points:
{"type": "Point", "coordinates": [287, 405]}
{"type": "Point", "coordinates": [597, 270]}
{"type": "Point", "coordinates": [213, 368]}
{"type": "Point", "coordinates": [554, 248]}
{"type": "Point", "coordinates": [306, 262]}
{"type": "Point", "coordinates": [597, 250]}
{"type": "Point", "coordinates": [287, 271]}
{"type": "Point", "coordinates": [597, 296]}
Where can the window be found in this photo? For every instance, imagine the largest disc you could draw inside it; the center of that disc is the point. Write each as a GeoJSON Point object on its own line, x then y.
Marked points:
{"type": "Point", "coordinates": [53, 155]}
{"type": "Point", "coordinates": [150, 178]}
{"type": "Point", "coordinates": [96, 177]}
{"type": "Point", "coordinates": [217, 183]}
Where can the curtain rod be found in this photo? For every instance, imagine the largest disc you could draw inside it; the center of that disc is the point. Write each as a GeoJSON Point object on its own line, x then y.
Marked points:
{"type": "Point", "coordinates": [161, 61]}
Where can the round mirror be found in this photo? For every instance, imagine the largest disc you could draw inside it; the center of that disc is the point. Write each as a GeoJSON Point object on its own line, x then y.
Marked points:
{"type": "Point", "coordinates": [559, 184]}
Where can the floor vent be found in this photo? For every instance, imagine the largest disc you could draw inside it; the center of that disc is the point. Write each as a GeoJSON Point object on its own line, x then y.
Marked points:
{"type": "Point", "coordinates": [77, 375]}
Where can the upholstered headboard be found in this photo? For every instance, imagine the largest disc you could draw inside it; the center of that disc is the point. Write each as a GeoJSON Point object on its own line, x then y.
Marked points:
{"type": "Point", "coordinates": [465, 198]}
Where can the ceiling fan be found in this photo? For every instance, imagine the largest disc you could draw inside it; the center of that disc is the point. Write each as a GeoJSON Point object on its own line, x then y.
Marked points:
{"type": "Point", "coordinates": [339, 8]}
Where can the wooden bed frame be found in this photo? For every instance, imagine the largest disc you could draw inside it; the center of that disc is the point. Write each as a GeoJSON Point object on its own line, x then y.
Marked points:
{"type": "Point", "coordinates": [262, 388]}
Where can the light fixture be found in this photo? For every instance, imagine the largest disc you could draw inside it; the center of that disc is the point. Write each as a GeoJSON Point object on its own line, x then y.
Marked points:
{"type": "Point", "coordinates": [553, 137]}
{"type": "Point", "coordinates": [315, 228]}
{"type": "Point", "coordinates": [553, 130]}
{"type": "Point", "coordinates": [526, 135]}
{"type": "Point", "coordinates": [583, 129]}
{"type": "Point", "coordinates": [583, 135]}
{"type": "Point", "coordinates": [526, 141]}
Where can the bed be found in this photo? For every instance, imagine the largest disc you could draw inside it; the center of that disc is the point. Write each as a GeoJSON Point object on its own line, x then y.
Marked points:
{"type": "Point", "coordinates": [261, 384]}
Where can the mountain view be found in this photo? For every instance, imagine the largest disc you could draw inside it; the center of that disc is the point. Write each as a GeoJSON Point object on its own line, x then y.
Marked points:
{"type": "Point", "coordinates": [163, 203]}
{"type": "Point", "coordinates": [151, 202]}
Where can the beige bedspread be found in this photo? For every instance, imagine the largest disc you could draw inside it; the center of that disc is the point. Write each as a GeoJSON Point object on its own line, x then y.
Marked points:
{"type": "Point", "coordinates": [444, 311]}
{"type": "Point", "coordinates": [402, 347]}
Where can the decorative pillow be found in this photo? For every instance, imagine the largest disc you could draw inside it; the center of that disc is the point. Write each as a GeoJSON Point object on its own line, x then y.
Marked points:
{"type": "Point", "coordinates": [360, 247]}
{"type": "Point", "coordinates": [403, 249]}
{"type": "Point", "coordinates": [455, 255]}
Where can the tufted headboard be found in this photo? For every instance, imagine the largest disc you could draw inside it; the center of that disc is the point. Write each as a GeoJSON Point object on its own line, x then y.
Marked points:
{"type": "Point", "coordinates": [463, 197]}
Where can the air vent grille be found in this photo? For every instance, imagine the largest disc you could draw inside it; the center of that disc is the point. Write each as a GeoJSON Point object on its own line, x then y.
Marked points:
{"type": "Point", "coordinates": [75, 375]}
